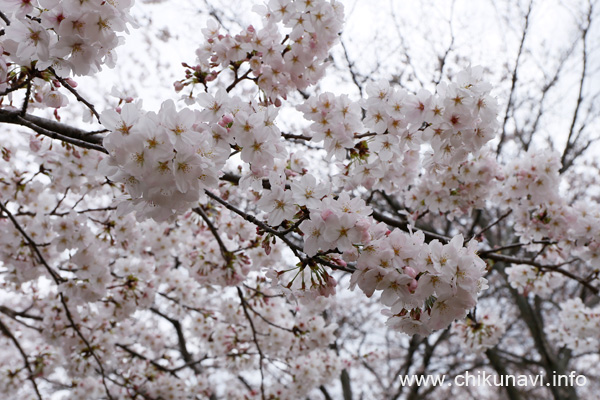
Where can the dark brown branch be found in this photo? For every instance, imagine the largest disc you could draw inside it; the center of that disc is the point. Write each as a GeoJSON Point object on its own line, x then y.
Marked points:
{"type": "Point", "coordinates": [27, 96]}
{"type": "Point", "coordinates": [325, 393]}
{"type": "Point", "coordinates": [224, 252]}
{"type": "Point", "coordinates": [4, 18]}
{"type": "Point", "coordinates": [12, 337]}
{"type": "Point", "coordinates": [496, 363]}
{"type": "Point", "coordinates": [294, 247]}
{"type": "Point", "coordinates": [255, 338]}
{"type": "Point", "coordinates": [554, 268]}
{"type": "Point", "coordinates": [238, 80]}
{"type": "Point", "coordinates": [346, 387]}
{"type": "Point", "coordinates": [54, 130]}
{"type": "Point", "coordinates": [295, 137]}
{"type": "Point", "coordinates": [403, 225]}
{"type": "Point", "coordinates": [76, 94]}
{"type": "Point", "coordinates": [491, 225]}
{"type": "Point", "coordinates": [14, 314]}
{"type": "Point", "coordinates": [142, 357]}
{"type": "Point", "coordinates": [185, 354]}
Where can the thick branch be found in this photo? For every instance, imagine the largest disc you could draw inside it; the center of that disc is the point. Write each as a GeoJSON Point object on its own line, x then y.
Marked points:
{"type": "Point", "coordinates": [54, 130]}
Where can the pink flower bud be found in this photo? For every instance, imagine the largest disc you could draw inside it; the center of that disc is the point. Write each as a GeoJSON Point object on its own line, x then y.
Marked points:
{"type": "Point", "coordinates": [178, 86]}
{"type": "Point", "coordinates": [412, 286]}
{"type": "Point", "coordinates": [226, 120]}
{"type": "Point", "coordinates": [71, 82]}
{"type": "Point", "coordinates": [339, 261]}
{"type": "Point", "coordinates": [410, 272]}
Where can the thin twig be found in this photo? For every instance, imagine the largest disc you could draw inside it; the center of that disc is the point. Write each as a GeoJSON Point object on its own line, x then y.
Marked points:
{"type": "Point", "coordinates": [224, 252]}
{"type": "Point", "coordinates": [514, 80]}
{"type": "Point", "coordinates": [491, 225]}
{"type": "Point", "coordinates": [142, 357]}
{"type": "Point", "coordinates": [254, 335]}
{"type": "Point", "coordinates": [565, 164]}
{"type": "Point", "coordinates": [57, 279]}
{"type": "Point", "coordinates": [75, 93]}
{"type": "Point", "coordinates": [27, 96]}
{"type": "Point", "coordinates": [294, 247]}
{"type": "Point", "coordinates": [12, 337]}
{"type": "Point", "coordinates": [4, 18]}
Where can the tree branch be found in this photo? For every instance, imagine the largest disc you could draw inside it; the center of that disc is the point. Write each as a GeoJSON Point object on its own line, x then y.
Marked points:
{"type": "Point", "coordinates": [12, 337]}
{"type": "Point", "coordinates": [54, 130]}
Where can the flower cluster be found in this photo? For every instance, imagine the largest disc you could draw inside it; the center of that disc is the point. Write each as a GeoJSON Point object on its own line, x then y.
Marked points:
{"type": "Point", "coordinates": [459, 119]}
{"type": "Point", "coordinates": [530, 189]}
{"type": "Point", "coordinates": [336, 223]}
{"type": "Point", "coordinates": [278, 65]}
{"type": "Point", "coordinates": [455, 189]}
{"type": "Point", "coordinates": [336, 119]}
{"type": "Point", "coordinates": [528, 279]}
{"type": "Point", "coordinates": [165, 159]}
{"type": "Point", "coordinates": [70, 36]}
{"type": "Point", "coordinates": [577, 326]}
{"type": "Point", "coordinates": [455, 122]}
{"type": "Point", "coordinates": [425, 286]}
{"type": "Point", "coordinates": [479, 335]}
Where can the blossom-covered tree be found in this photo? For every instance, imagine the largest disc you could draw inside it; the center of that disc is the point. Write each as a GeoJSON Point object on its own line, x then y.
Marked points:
{"type": "Point", "coordinates": [258, 236]}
